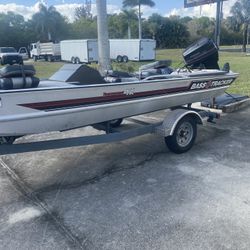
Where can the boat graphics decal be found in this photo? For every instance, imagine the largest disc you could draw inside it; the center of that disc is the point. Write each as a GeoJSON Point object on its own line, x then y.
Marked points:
{"type": "Point", "coordinates": [104, 99]}
{"type": "Point", "coordinates": [127, 94]}
{"type": "Point", "coordinates": [210, 84]}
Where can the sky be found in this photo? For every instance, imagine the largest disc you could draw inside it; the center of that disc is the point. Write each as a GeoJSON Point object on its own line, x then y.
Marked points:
{"type": "Point", "coordinates": [67, 7]}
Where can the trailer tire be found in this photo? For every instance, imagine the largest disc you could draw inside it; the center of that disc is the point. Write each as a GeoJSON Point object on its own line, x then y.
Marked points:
{"type": "Point", "coordinates": [119, 59]}
{"type": "Point", "coordinates": [77, 60]}
{"type": "Point", "coordinates": [184, 135]}
{"type": "Point", "coordinates": [115, 123]}
{"type": "Point", "coordinates": [34, 58]}
{"type": "Point", "coordinates": [50, 59]}
{"type": "Point", "coordinates": [72, 60]}
{"type": "Point", "coordinates": [125, 59]}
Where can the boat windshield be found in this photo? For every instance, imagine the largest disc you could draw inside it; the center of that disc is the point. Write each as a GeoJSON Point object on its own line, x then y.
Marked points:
{"type": "Point", "coordinates": [8, 50]}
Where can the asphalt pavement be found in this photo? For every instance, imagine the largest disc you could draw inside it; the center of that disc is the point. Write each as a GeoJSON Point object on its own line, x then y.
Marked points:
{"type": "Point", "coordinates": [133, 195]}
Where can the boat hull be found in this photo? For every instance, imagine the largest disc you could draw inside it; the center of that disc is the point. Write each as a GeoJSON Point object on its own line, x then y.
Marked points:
{"type": "Point", "coordinates": [69, 118]}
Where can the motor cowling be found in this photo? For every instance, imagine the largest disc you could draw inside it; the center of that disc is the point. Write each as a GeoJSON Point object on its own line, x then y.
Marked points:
{"type": "Point", "coordinates": [202, 54]}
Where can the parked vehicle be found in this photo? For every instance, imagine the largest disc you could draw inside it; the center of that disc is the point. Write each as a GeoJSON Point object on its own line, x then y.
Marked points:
{"type": "Point", "coordinates": [23, 52]}
{"type": "Point", "coordinates": [49, 51]}
{"type": "Point", "coordinates": [124, 50]}
{"type": "Point", "coordinates": [9, 55]}
{"type": "Point", "coordinates": [79, 51]}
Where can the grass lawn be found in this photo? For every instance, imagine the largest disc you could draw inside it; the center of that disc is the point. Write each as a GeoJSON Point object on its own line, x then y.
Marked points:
{"type": "Point", "coordinates": [239, 63]}
{"type": "Point", "coordinates": [46, 69]}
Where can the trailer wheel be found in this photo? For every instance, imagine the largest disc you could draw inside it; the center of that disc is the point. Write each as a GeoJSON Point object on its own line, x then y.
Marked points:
{"type": "Point", "coordinates": [77, 60]}
{"type": "Point", "coordinates": [125, 59]}
{"type": "Point", "coordinates": [183, 137]}
{"type": "Point", "coordinates": [34, 58]}
{"type": "Point", "coordinates": [73, 60]}
{"type": "Point", "coordinates": [50, 59]}
{"type": "Point", "coordinates": [119, 59]}
{"type": "Point", "coordinates": [115, 123]}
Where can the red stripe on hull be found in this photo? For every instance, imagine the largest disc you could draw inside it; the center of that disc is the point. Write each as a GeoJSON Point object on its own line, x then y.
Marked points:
{"type": "Point", "coordinates": [107, 97]}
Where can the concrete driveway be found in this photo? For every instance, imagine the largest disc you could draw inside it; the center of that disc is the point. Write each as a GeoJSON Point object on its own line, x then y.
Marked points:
{"type": "Point", "coordinates": [132, 195]}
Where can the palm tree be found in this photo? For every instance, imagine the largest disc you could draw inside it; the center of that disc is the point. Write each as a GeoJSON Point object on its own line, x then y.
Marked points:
{"type": "Point", "coordinates": [139, 3]}
{"type": "Point", "coordinates": [241, 11]}
{"type": "Point", "coordinates": [128, 16]}
{"type": "Point", "coordinates": [44, 21]}
{"type": "Point", "coordinates": [83, 11]}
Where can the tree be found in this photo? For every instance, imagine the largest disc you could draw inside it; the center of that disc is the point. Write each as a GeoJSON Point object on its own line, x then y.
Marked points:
{"type": "Point", "coordinates": [16, 31]}
{"type": "Point", "coordinates": [80, 12]}
{"type": "Point", "coordinates": [232, 24]}
{"type": "Point", "coordinates": [83, 29]}
{"type": "Point", "coordinates": [169, 32]}
{"type": "Point", "coordinates": [14, 19]}
{"type": "Point", "coordinates": [200, 27]}
{"type": "Point", "coordinates": [48, 23]}
{"type": "Point", "coordinates": [127, 17]}
{"type": "Point", "coordinates": [139, 3]}
{"type": "Point", "coordinates": [123, 25]}
{"type": "Point", "coordinates": [83, 11]}
{"type": "Point", "coordinates": [241, 11]}
{"type": "Point", "coordinates": [116, 26]}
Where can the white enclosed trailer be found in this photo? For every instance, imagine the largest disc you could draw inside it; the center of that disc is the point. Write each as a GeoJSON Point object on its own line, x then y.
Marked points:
{"type": "Point", "coordinates": [123, 50]}
{"type": "Point", "coordinates": [49, 51]}
{"type": "Point", "coordinates": [79, 51]}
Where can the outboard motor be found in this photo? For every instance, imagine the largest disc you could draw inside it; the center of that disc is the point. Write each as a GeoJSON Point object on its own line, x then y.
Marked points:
{"type": "Point", "coordinates": [17, 76]}
{"type": "Point", "coordinates": [202, 54]}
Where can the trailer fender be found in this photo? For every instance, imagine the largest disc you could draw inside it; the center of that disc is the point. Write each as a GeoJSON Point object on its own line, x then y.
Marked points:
{"type": "Point", "coordinates": [171, 120]}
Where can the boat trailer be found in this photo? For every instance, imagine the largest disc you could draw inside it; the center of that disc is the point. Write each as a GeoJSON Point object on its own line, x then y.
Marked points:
{"type": "Point", "coordinates": [178, 128]}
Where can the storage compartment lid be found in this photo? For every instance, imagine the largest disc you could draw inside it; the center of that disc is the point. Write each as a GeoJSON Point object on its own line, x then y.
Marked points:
{"type": "Point", "coordinates": [77, 74]}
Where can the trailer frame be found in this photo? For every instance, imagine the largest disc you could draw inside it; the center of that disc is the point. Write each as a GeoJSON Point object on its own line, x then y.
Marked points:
{"type": "Point", "coordinates": [165, 128]}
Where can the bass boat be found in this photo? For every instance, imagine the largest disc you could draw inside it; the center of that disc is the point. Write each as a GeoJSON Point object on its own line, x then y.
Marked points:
{"type": "Point", "coordinates": [78, 96]}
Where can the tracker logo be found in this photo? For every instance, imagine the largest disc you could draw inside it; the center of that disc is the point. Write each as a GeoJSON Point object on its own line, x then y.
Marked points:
{"type": "Point", "coordinates": [210, 84]}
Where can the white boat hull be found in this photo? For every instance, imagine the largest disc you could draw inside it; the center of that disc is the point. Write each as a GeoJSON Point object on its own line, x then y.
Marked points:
{"type": "Point", "coordinates": [34, 111]}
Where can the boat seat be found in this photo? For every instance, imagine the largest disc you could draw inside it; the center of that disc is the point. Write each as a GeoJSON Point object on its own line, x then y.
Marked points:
{"type": "Point", "coordinates": [18, 77]}
{"type": "Point", "coordinates": [156, 65]}
{"type": "Point", "coordinates": [17, 70]}
{"type": "Point", "coordinates": [118, 74]}
{"type": "Point", "coordinates": [19, 82]}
